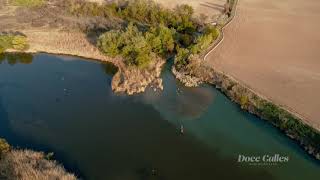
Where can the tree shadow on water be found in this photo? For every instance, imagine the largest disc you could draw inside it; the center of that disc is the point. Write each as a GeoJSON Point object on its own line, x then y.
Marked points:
{"type": "Point", "coordinates": [16, 58]}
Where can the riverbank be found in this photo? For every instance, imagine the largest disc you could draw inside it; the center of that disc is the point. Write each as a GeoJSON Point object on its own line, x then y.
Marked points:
{"type": "Point", "coordinates": [272, 47]}
{"type": "Point", "coordinates": [132, 80]}
{"type": "Point", "coordinates": [290, 122]}
{"type": "Point", "coordinates": [51, 30]}
{"type": "Point", "coordinates": [27, 164]}
{"type": "Point", "coordinates": [128, 80]}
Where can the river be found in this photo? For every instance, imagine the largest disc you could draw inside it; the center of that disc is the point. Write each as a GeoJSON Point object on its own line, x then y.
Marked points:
{"type": "Point", "coordinates": [65, 105]}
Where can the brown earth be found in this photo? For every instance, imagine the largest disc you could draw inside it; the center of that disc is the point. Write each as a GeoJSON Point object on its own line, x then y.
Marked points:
{"type": "Point", "coordinates": [273, 48]}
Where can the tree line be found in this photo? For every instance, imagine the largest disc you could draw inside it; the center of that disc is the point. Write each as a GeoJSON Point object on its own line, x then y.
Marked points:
{"type": "Point", "coordinates": [148, 30]}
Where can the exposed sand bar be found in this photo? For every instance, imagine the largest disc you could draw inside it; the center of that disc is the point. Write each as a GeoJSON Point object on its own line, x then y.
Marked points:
{"type": "Point", "coordinates": [273, 46]}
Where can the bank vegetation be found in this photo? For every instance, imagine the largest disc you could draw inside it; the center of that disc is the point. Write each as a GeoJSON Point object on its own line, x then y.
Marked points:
{"type": "Point", "coordinates": [16, 164]}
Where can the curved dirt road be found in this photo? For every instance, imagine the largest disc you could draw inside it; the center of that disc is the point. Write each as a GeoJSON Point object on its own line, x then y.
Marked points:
{"type": "Point", "coordinates": [274, 47]}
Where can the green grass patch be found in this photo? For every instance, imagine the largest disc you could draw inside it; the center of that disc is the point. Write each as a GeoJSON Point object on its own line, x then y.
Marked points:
{"type": "Point", "coordinates": [28, 3]}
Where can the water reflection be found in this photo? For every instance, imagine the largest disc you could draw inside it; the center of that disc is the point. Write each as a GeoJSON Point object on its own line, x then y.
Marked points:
{"type": "Point", "coordinates": [107, 136]}
{"type": "Point", "coordinates": [177, 102]}
{"type": "Point", "coordinates": [15, 58]}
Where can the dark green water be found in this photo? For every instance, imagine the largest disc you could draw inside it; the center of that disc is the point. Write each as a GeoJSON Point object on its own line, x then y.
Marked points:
{"type": "Point", "coordinates": [65, 105]}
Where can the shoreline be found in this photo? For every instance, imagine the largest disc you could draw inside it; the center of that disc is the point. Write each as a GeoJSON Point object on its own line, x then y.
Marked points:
{"type": "Point", "coordinates": [18, 163]}
{"type": "Point", "coordinates": [235, 89]}
{"type": "Point", "coordinates": [132, 80]}
{"type": "Point", "coordinates": [310, 149]}
{"type": "Point", "coordinates": [129, 80]}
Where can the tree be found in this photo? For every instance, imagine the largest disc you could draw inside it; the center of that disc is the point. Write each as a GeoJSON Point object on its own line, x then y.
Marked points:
{"type": "Point", "coordinates": [181, 58]}
{"type": "Point", "coordinates": [131, 44]}
{"type": "Point", "coordinates": [110, 42]}
{"type": "Point", "coordinates": [2, 49]}
{"type": "Point", "coordinates": [161, 39]}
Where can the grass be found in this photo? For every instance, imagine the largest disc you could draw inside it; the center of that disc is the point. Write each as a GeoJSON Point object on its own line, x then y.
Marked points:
{"type": "Point", "coordinates": [27, 164]}
{"type": "Point", "coordinates": [28, 3]}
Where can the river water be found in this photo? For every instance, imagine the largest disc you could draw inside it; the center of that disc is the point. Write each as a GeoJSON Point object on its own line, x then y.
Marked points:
{"type": "Point", "coordinates": [65, 105]}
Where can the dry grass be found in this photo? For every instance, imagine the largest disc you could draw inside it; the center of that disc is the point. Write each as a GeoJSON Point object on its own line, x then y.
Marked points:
{"type": "Point", "coordinates": [26, 165]}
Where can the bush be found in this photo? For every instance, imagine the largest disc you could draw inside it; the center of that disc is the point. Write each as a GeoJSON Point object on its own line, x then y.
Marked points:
{"type": "Point", "coordinates": [2, 49]}
{"type": "Point", "coordinates": [4, 147]}
{"type": "Point", "coordinates": [6, 42]}
{"type": "Point", "coordinates": [204, 40]}
{"type": "Point", "coordinates": [161, 39]}
{"type": "Point", "coordinates": [19, 42]}
{"type": "Point", "coordinates": [9, 41]}
{"type": "Point", "coordinates": [110, 43]}
{"type": "Point", "coordinates": [244, 101]}
{"type": "Point", "coordinates": [181, 58]}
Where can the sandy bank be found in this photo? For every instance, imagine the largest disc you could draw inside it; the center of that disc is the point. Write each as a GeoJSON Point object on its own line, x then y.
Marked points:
{"type": "Point", "coordinates": [272, 47]}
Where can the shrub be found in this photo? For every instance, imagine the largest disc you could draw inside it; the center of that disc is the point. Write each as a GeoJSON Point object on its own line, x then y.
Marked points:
{"type": "Point", "coordinates": [110, 43]}
{"type": "Point", "coordinates": [161, 39]}
{"type": "Point", "coordinates": [17, 42]}
{"type": "Point", "coordinates": [6, 41]}
{"type": "Point", "coordinates": [4, 147]}
{"type": "Point", "coordinates": [181, 58]}
{"type": "Point", "coordinates": [244, 101]}
{"type": "Point", "coordinates": [2, 49]}
{"type": "Point", "coordinates": [204, 40]}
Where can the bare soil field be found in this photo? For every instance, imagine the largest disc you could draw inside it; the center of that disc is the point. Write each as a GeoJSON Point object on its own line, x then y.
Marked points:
{"type": "Point", "coordinates": [273, 47]}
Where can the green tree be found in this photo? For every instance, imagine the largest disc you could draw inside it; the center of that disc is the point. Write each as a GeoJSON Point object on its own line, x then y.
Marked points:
{"type": "Point", "coordinates": [110, 42]}
{"type": "Point", "coordinates": [181, 58]}
{"type": "Point", "coordinates": [161, 39]}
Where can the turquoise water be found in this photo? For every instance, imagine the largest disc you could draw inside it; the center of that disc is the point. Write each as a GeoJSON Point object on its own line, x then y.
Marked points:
{"type": "Point", "coordinates": [66, 105]}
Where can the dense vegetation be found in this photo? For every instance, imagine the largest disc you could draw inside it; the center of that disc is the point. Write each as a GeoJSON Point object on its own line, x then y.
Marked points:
{"type": "Point", "coordinates": [148, 31]}
{"type": "Point", "coordinates": [285, 121]}
{"type": "Point", "coordinates": [9, 41]}
{"type": "Point", "coordinates": [278, 116]}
